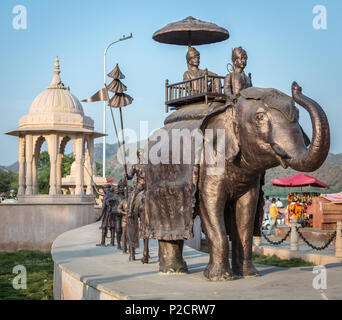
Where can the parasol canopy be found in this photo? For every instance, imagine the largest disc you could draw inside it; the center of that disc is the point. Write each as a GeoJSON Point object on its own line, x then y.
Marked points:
{"type": "Point", "coordinates": [120, 100]}
{"type": "Point", "coordinates": [116, 86]}
{"type": "Point", "coordinates": [299, 180]}
{"type": "Point", "coordinates": [191, 31]}
{"type": "Point", "coordinates": [116, 73]}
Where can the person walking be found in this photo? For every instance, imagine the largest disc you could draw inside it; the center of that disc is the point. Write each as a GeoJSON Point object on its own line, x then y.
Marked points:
{"type": "Point", "coordinates": [279, 203]}
{"type": "Point", "coordinates": [267, 208]}
{"type": "Point", "coordinates": [281, 213]}
{"type": "Point", "coordinates": [273, 209]}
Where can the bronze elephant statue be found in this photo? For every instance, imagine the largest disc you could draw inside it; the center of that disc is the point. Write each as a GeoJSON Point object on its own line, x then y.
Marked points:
{"type": "Point", "coordinates": [261, 131]}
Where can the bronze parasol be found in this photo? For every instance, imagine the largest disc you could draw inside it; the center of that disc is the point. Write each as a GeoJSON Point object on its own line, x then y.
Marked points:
{"type": "Point", "coordinates": [191, 31]}
{"type": "Point", "coordinates": [116, 86]}
{"type": "Point", "coordinates": [120, 100]}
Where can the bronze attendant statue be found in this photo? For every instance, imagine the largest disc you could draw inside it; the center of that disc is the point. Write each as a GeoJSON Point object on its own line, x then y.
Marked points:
{"type": "Point", "coordinates": [237, 80]}
{"type": "Point", "coordinates": [117, 216]}
{"type": "Point", "coordinates": [137, 170]}
{"type": "Point", "coordinates": [193, 61]}
{"type": "Point", "coordinates": [107, 216]}
{"type": "Point", "coordinates": [122, 209]}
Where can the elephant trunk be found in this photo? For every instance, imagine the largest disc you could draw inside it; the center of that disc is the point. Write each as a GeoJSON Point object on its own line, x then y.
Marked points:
{"type": "Point", "coordinates": [312, 158]}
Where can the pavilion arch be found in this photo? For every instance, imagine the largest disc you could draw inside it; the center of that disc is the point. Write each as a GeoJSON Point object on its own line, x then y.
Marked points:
{"type": "Point", "coordinates": [37, 145]}
{"type": "Point", "coordinates": [63, 141]}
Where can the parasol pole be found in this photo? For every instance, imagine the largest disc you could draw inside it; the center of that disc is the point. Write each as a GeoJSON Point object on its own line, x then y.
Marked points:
{"type": "Point", "coordinates": [124, 153]}
{"type": "Point", "coordinates": [115, 128]}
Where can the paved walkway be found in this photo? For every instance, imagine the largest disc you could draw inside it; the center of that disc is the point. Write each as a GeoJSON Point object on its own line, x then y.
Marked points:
{"type": "Point", "coordinates": [108, 268]}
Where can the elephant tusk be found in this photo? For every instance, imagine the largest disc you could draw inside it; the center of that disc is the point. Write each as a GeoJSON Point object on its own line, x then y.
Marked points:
{"type": "Point", "coordinates": [282, 162]}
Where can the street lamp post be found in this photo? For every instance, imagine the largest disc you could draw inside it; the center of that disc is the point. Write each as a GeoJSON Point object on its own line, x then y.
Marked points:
{"type": "Point", "coordinates": [104, 103]}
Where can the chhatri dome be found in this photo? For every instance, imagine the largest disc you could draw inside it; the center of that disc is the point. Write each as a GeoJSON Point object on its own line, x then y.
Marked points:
{"type": "Point", "coordinates": [56, 98]}
{"type": "Point", "coordinates": [56, 106]}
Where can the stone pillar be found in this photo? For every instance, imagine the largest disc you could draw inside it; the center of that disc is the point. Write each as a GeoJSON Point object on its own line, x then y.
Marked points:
{"type": "Point", "coordinates": [294, 237]}
{"type": "Point", "coordinates": [90, 167]}
{"type": "Point", "coordinates": [52, 146]}
{"type": "Point", "coordinates": [29, 159]}
{"type": "Point", "coordinates": [35, 168]}
{"type": "Point", "coordinates": [59, 173]}
{"type": "Point", "coordinates": [35, 175]}
{"type": "Point", "coordinates": [79, 159]}
{"type": "Point", "coordinates": [338, 244]}
{"type": "Point", "coordinates": [257, 241]}
{"type": "Point", "coordinates": [21, 158]}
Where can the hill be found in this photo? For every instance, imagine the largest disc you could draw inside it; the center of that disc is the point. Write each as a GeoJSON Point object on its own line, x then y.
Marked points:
{"type": "Point", "coordinates": [13, 168]}
{"type": "Point", "coordinates": [330, 172]}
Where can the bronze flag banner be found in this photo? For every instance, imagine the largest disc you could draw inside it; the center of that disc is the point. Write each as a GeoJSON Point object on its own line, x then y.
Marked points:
{"type": "Point", "coordinates": [101, 95]}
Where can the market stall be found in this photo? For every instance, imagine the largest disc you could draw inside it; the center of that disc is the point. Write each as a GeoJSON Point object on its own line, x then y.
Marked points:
{"type": "Point", "coordinates": [299, 203]}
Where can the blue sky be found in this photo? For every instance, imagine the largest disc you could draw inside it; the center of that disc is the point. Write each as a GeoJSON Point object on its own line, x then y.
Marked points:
{"type": "Point", "coordinates": [281, 42]}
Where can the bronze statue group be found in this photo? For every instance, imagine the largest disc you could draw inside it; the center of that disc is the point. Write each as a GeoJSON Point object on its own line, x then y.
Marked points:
{"type": "Point", "coordinates": [121, 212]}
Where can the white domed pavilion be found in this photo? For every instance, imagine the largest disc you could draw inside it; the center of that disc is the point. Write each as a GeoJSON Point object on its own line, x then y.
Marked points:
{"type": "Point", "coordinates": [56, 116]}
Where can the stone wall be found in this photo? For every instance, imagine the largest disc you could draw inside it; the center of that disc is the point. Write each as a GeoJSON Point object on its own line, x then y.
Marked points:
{"type": "Point", "coordinates": [325, 213]}
{"type": "Point", "coordinates": [33, 226]}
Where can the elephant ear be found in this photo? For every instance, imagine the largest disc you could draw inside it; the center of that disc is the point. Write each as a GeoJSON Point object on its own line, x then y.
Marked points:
{"type": "Point", "coordinates": [227, 113]}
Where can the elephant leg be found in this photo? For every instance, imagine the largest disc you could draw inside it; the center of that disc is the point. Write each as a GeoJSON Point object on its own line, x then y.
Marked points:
{"type": "Point", "coordinates": [212, 204]}
{"type": "Point", "coordinates": [181, 246]}
{"type": "Point", "coordinates": [170, 256]}
{"type": "Point", "coordinates": [146, 251]}
{"type": "Point", "coordinates": [236, 253]}
{"type": "Point", "coordinates": [243, 235]}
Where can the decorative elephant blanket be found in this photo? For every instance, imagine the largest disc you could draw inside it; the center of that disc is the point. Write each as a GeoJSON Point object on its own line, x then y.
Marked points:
{"type": "Point", "coordinates": [171, 184]}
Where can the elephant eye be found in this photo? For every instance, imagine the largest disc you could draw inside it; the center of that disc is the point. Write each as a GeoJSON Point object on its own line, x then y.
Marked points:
{"type": "Point", "coordinates": [260, 116]}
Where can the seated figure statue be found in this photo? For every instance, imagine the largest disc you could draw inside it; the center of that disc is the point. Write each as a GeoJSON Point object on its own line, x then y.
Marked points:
{"type": "Point", "coordinates": [193, 61]}
{"type": "Point", "coordinates": [237, 80]}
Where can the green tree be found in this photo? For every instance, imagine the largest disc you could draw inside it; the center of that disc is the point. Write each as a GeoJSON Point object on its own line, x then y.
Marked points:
{"type": "Point", "coordinates": [98, 169]}
{"type": "Point", "coordinates": [44, 170]}
{"type": "Point", "coordinates": [8, 181]}
{"type": "Point", "coordinates": [67, 162]}
{"type": "Point", "coordinates": [43, 173]}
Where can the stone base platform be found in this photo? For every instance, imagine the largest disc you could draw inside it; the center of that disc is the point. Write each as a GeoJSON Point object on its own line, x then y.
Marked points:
{"type": "Point", "coordinates": [35, 224]}
{"type": "Point", "coordinates": [84, 271]}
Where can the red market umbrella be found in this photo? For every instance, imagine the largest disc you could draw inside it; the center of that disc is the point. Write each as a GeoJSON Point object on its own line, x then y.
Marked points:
{"type": "Point", "coordinates": [299, 180]}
